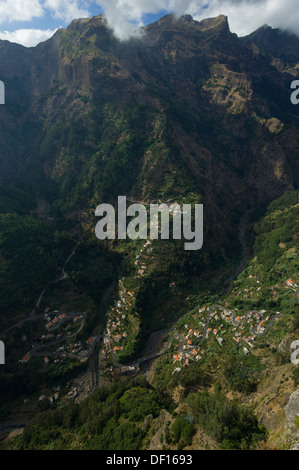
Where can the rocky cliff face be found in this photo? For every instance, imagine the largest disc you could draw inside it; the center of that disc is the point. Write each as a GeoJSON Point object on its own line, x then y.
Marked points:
{"type": "Point", "coordinates": [186, 105]}
{"type": "Point", "coordinates": [275, 43]}
{"type": "Point", "coordinates": [187, 112]}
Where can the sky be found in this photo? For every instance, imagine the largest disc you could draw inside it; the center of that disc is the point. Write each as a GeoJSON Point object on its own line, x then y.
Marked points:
{"type": "Point", "coordinates": [29, 22]}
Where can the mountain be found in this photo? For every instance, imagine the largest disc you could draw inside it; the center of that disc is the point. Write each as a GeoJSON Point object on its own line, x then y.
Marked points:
{"type": "Point", "coordinates": [275, 43]}
{"type": "Point", "coordinates": [187, 112]}
{"type": "Point", "coordinates": [89, 117]}
{"type": "Point", "coordinates": [187, 407]}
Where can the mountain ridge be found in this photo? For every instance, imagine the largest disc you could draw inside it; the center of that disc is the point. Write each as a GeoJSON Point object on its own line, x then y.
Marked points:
{"type": "Point", "coordinates": [191, 86]}
{"type": "Point", "coordinates": [187, 113]}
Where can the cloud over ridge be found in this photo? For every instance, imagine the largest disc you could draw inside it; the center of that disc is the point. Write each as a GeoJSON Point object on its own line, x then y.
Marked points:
{"type": "Point", "coordinates": [125, 17]}
{"type": "Point", "coordinates": [245, 16]}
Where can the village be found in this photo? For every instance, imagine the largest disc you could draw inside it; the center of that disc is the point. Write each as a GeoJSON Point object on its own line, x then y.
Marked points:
{"type": "Point", "coordinates": [219, 323]}
{"type": "Point", "coordinates": [121, 320]}
{"type": "Point", "coordinates": [194, 333]}
{"type": "Point", "coordinates": [224, 325]}
{"type": "Point", "coordinates": [56, 344]}
{"type": "Point", "coordinates": [208, 323]}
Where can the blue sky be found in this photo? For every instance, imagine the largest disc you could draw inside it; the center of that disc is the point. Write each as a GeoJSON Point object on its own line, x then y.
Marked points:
{"type": "Point", "coordinates": [29, 22]}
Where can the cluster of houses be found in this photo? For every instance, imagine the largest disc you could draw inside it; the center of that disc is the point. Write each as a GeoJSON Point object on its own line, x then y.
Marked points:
{"type": "Point", "coordinates": [118, 323]}
{"type": "Point", "coordinates": [49, 337]}
{"type": "Point", "coordinates": [75, 348]}
{"type": "Point", "coordinates": [252, 291]}
{"type": "Point", "coordinates": [189, 355]}
{"type": "Point", "coordinates": [246, 328]}
{"type": "Point", "coordinates": [242, 332]}
{"type": "Point", "coordinates": [51, 325]}
{"type": "Point", "coordinates": [60, 357]}
{"type": "Point", "coordinates": [55, 394]}
{"type": "Point", "coordinates": [51, 398]}
{"type": "Point", "coordinates": [73, 393]}
{"type": "Point", "coordinates": [59, 319]}
{"type": "Point", "coordinates": [56, 321]}
{"type": "Point", "coordinates": [142, 267]}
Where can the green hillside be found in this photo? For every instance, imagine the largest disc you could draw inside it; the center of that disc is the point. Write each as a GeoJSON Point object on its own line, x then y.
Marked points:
{"type": "Point", "coordinates": [220, 396]}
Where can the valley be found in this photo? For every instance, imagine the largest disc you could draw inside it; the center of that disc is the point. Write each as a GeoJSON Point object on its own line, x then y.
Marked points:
{"type": "Point", "coordinates": [128, 344]}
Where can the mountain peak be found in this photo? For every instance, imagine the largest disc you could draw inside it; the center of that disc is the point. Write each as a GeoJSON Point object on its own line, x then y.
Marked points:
{"type": "Point", "coordinates": [187, 24]}
{"type": "Point", "coordinates": [220, 21]}
{"type": "Point", "coordinates": [79, 23]}
{"type": "Point", "coordinates": [265, 27]}
{"type": "Point", "coordinates": [275, 42]}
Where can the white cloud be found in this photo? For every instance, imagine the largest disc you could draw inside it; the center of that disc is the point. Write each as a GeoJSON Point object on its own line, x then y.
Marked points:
{"type": "Point", "coordinates": [67, 10]}
{"type": "Point", "coordinates": [20, 10]}
{"type": "Point", "coordinates": [244, 15]}
{"type": "Point", "coordinates": [27, 37]}
{"type": "Point", "coordinates": [27, 10]}
{"type": "Point", "coordinates": [126, 16]}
